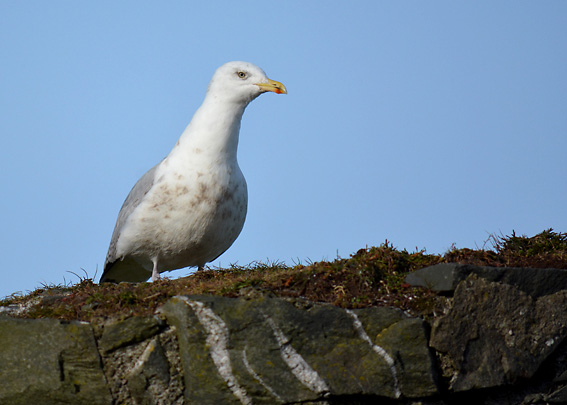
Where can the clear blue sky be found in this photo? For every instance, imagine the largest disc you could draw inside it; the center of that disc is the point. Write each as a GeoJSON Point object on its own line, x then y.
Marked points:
{"type": "Point", "coordinates": [424, 123]}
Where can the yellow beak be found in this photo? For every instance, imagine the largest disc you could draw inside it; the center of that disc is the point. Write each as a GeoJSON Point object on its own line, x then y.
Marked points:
{"type": "Point", "coordinates": [274, 86]}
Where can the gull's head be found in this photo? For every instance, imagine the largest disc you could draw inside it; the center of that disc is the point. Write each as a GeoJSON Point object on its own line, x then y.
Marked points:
{"type": "Point", "coordinates": [242, 82]}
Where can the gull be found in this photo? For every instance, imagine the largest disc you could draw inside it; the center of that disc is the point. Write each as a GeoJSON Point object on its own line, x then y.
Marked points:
{"type": "Point", "coordinates": [188, 209]}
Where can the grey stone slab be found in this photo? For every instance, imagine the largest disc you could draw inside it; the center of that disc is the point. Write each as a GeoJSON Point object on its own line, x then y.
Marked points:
{"type": "Point", "coordinates": [445, 277]}
{"type": "Point", "coordinates": [495, 334]}
{"type": "Point", "coordinates": [48, 361]}
{"type": "Point", "coordinates": [233, 350]}
{"type": "Point", "coordinates": [129, 331]}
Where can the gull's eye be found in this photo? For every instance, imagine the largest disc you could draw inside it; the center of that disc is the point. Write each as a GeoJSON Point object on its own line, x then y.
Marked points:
{"type": "Point", "coordinates": [242, 75]}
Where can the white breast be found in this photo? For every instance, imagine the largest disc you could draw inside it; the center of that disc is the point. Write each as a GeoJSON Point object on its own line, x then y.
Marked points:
{"type": "Point", "coordinates": [194, 211]}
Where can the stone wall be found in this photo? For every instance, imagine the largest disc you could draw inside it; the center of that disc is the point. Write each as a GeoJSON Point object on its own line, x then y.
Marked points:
{"type": "Point", "coordinates": [500, 342]}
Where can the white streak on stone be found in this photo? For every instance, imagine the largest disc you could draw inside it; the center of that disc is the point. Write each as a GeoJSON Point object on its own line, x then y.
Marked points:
{"type": "Point", "coordinates": [364, 336]}
{"type": "Point", "coordinates": [144, 357]}
{"type": "Point", "coordinates": [258, 378]}
{"type": "Point", "coordinates": [217, 340]}
{"type": "Point", "coordinates": [297, 364]}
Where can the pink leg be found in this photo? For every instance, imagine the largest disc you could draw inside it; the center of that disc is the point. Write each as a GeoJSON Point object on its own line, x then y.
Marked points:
{"type": "Point", "coordinates": [155, 272]}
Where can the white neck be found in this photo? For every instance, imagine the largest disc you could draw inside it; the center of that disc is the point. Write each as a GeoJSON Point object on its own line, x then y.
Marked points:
{"type": "Point", "coordinates": [214, 129]}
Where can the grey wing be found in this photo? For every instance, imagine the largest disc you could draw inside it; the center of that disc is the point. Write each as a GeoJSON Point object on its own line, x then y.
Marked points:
{"type": "Point", "coordinates": [134, 198]}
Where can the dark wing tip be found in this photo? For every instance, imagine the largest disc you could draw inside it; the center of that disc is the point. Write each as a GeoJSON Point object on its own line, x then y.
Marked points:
{"type": "Point", "coordinates": [106, 278]}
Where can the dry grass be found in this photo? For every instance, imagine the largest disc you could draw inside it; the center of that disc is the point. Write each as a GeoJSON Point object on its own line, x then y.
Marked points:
{"type": "Point", "coordinates": [371, 277]}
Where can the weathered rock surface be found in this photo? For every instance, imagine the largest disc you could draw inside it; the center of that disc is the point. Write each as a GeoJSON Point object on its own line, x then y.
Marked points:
{"type": "Point", "coordinates": [496, 334]}
{"type": "Point", "coordinates": [47, 361]}
{"type": "Point", "coordinates": [266, 351]}
{"type": "Point", "coordinates": [501, 342]}
{"type": "Point", "coordinates": [445, 277]}
{"type": "Point", "coordinates": [131, 330]}
{"type": "Point", "coordinates": [145, 372]}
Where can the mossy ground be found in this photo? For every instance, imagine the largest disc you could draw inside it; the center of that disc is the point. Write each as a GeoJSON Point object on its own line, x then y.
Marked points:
{"type": "Point", "coordinates": [370, 277]}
